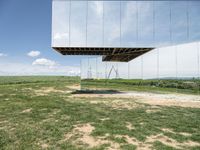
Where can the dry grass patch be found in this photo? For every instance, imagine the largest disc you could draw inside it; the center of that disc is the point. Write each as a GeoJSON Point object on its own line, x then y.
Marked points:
{"type": "Point", "coordinates": [81, 136]}
{"type": "Point", "coordinates": [104, 119]}
{"type": "Point", "coordinates": [168, 130]}
{"type": "Point", "coordinates": [74, 87]}
{"type": "Point", "coordinates": [47, 90]}
{"type": "Point", "coordinates": [185, 134]}
{"type": "Point", "coordinates": [168, 102]}
{"type": "Point", "coordinates": [154, 99]}
{"type": "Point", "coordinates": [27, 110]}
{"type": "Point", "coordinates": [171, 131]}
{"type": "Point", "coordinates": [129, 126]}
{"type": "Point", "coordinates": [44, 146]}
{"type": "Point", "coordinates": [148, 143]}
{"type": "Point", "coordinates": [116, 103]}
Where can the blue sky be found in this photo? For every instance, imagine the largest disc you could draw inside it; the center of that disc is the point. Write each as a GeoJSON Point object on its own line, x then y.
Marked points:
{"type": "Point", "coordinates": [25, 31]}
{"type": "Point", "coordinates": [25, 25]}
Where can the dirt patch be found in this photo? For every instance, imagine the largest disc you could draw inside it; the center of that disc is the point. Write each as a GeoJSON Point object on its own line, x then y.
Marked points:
{"type": "Point", "coordinates": [84, 128]}
{"type": "Point", "coordinates": [74, 87]}
{"type": "Point", "coordinates": [168, 130]}
{"type": "Point", "coordinates": [116, 103]}
{"type": "Point", "coordinates": [171, 142]}
{"type": "Point", "coordinates": [104, 119]}
{"type": "Point", "coordinates": [154, 99]}
{"type": "Point", "coordinates": [148, 143]}
{"type": "Point", "coordinates": [129, 126]}
{"type": "Point", "coordinates": [152, 110]}
{"type": "Point", "coordinates": [120, 104]}
{"type": "Point", "coordinates": [81, 135]}
{"type": "Point", "coordinates": [47, 90]}
{"type": "Point", "coordinates": [27, 110]}
{"type": "Point", "coordinates": [2, 122]}
{"type": "Point", "coordinates": [44, 146]}
{"type": "Point", "coordinates": [171, 131]}
{"type": "Point", "coordinates": [171, 102]}
{"type": "Point", "coordinates": [185, 134]}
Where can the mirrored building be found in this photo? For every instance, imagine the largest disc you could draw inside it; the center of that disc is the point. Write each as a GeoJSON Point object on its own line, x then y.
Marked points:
{"type": "Point", "coordinates": [139, 40]}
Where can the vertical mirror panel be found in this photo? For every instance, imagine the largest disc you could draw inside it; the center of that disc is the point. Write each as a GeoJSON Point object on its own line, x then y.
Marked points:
{"type": "Point", "coordinates": [174, 64]}
{"type": "Point", "coordinates": [150, 65]}
{"type": "Point", "coordinates": [168, 68]}
{"type": "Point", "coordinates": [146, 23]}
{"type": "Point", "coordinates": [194, 20]}
{"type": "Point", "coordinates": [129, 23]}
{"type": "Point", "coordinates": [84, 73]}
{"type": "Point", "coordinates": [112, 23]}
{"type": "Point", "coordinates": [187, 64]}
{"type": "Point", "coordinates": [90, 82]}
{"type": "Point", "coordinates": [95, 23]}
{"type": "Point", "coordinates": [198, 64]}
{"type": "Point", "coordinates": [78, 23]}
{"type": "Point", "coordinates": [150, 81]}
{"type": "Point", "coordinates": [180, 21]}
{"type": "Point", "coordinates": [60, 23]}
{"type": "Point", "coordinates": [135, 68]}
{"type": "Point", "coordinates": [123, 70]}
{"type": "Point", "coordinates": [101, 74]}
{"type": "Point", "coordinates": [162, 23]}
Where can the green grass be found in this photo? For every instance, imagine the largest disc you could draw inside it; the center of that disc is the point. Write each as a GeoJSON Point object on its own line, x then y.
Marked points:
{"type": "Point", "coordinates": [191, 86]}
{"type": "Point", "coordinates": [54, 115]}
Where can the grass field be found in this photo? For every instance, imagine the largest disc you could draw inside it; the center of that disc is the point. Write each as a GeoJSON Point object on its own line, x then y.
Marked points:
{"type": "Point", "coordinates": [191, 86]}
{"type": "Point", "coordinates": [43, 113]}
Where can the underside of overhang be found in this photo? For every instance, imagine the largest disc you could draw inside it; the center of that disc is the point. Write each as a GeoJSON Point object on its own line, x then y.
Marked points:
{"type": "Point", "coordinates": [119, 54]}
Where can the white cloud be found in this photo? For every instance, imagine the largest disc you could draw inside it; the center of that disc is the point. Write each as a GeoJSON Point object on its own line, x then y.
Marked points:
{"type": "Point", "coordinates": [14, 68]}
{"type": "Point", "coordinates": [44, 62]}
{"type": "Point", "coordinates": [33, 53]}
{"type": "Point", "coordinates": [2, 55]}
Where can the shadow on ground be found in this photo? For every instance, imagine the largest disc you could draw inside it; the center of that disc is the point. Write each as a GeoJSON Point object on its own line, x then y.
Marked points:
{"type": "Point", "coordinates": [96, 92]}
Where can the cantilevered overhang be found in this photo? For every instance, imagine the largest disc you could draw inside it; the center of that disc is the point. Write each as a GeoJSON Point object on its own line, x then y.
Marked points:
{"type": "Point", "coordinates": [120, 54]}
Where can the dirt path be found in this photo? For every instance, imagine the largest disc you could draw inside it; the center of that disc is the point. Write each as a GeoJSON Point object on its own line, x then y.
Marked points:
{"type": "Point", "coordinates": [182, 100]}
